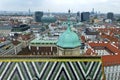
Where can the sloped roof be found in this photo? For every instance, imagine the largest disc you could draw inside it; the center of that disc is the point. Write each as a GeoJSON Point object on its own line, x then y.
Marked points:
{"type": "Point", "coordinates": [110, 60]}
{"type": "Point", "coordinates": [107, 45]}
{"type": "Point", "coordinates": [90, 52]}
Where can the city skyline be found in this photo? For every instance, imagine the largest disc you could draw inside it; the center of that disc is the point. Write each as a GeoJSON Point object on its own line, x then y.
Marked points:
{"type": "Point", "coordinates": [103, 6]}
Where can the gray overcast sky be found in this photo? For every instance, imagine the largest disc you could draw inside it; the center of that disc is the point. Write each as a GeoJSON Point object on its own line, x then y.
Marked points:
{"type": "Point", "coordinates": [61, 5]}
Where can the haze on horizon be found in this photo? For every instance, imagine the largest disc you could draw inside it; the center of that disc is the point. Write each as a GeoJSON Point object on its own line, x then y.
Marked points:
{"type": "Point", "coordinates": [103, 6]}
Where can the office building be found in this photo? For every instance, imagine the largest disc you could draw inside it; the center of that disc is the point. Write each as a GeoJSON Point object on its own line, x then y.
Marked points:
{"type": "Point", "coordinates": [110, 15]}
{"type": "Point", "coordinates": [85, 16]}
{"type": "Point", "coordinates": [38, 15]}
{"type": "Point", "coordinates": [78, 17]}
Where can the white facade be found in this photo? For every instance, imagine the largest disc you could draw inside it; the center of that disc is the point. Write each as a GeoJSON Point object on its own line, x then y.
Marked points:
{"type": "Point", "coordinates": [101, 52]}
{"type": "Point", "coordinates": [112, 72]}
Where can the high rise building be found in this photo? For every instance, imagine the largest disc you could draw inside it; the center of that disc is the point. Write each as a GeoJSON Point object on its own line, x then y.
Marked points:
{"type": "Point", "coordinates": [85, 16]}
{"type": "Point", "coordinates": [29, 12]}
{"type": "Point", "coordinates": [110, 15]}
{"type": "Point", "coordinates": [78, 13]}
{"type": "Point", "coordinates": [38, 15]}
{"type": "Point", "coordinates": [78, 17]}
{"type": "Point", "coordinates": [92, 12]}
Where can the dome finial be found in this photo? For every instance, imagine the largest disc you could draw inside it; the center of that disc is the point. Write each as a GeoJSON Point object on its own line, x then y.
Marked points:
{"type": "Point", "coordinates": [69, 15]}
{"type": "Point", "coordinates": [68, 28]}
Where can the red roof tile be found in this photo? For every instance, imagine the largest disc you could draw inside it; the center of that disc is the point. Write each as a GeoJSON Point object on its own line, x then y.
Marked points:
{"type": "Point", "coordinates": [107, 45]}
{"type": "Point", "coordinates": [83, 38]}
{"type": "Point", "coordinates": [90, 52]}
{"type": "Point", "coordinates": [111, 60]}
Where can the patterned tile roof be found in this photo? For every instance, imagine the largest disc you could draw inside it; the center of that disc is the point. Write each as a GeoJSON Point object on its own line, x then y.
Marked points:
{"type": "Point", "coordinates": [51, 68]}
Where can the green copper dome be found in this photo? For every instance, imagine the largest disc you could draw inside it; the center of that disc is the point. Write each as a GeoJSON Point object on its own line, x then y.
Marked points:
{"type": "Point", "coordinates": [68, 39]}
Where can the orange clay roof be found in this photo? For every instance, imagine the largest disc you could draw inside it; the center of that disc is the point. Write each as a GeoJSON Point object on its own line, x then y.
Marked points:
{"type": "Point", "coordinates": [110, 37]}
{"type": "Point", "coordinates": [109, 29]}
{"type": "Point", "coordinates": [90, 52]}
{"type": "Point", "coordinates": [112, 31]}
{"type": "Point", "coordinates": [83, 38]}
{"type": "Point", "coordinates": [110, 60]}
{"type": "Point", "coordinates": [107, 45]}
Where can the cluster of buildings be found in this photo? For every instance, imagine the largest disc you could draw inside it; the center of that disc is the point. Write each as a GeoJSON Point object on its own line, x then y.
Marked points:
{"type": "Point", "coordinates": [85, 34]}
